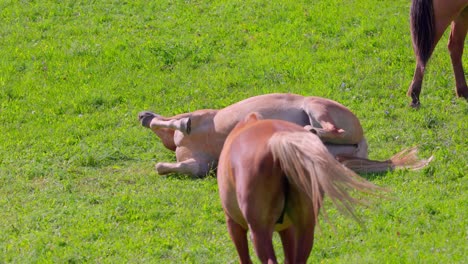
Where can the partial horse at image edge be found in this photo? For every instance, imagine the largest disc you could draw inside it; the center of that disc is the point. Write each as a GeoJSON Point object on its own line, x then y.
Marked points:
{"type": "Point", "coordinates": [429, 20]}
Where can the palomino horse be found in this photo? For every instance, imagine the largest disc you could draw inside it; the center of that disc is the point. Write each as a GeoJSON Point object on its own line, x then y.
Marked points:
{"type": "Point", "coordinates": [272, 176]}
{"type": "Point", "coordinates": [429, 19]}
{"type": "Point", "coordinates": [198, 137]}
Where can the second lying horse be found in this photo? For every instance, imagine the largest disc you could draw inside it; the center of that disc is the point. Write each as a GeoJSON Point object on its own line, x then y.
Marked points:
{"type": "Point", "coordinates": [198, 137]}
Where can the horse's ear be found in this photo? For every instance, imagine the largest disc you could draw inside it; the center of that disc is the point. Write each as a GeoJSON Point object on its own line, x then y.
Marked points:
{"type": "Point", "coordinates": [254, 116]}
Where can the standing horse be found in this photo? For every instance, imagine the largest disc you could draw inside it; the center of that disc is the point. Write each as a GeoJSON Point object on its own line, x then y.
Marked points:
{"type": "Point", "coordinates": [272, 176]}
{"type": "Point", "coordinates": [198, 137]}
{"type": "Point", "coordinates": [429, 19]}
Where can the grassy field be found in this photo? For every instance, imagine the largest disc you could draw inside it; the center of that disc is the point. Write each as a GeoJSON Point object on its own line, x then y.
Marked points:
{"type": "Point", "coordinates": [77, 179]}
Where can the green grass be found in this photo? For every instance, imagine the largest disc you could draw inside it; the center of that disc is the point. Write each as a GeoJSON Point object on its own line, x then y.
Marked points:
{"type": "Point", "coordinates": [77, 179]}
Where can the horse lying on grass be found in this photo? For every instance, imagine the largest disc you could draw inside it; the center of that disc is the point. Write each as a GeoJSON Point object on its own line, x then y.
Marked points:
{"type": "Point", "coordinates": [272, 176]}
{"type": "Point", "coordinates": [429, 19]}
{"type": "Point", "coordinates": [198, 137]}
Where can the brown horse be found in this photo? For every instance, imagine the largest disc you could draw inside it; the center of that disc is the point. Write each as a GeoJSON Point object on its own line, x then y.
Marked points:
{"type": "Point", "coordinates": [198, 137]}
{"type": "Point", "coordinates": [272, 176]}
{"type": "Point", "coordinates": [429, 20]}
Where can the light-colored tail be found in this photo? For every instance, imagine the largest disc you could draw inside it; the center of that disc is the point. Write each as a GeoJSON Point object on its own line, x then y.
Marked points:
{"type": "Point", "coordinates": [406, 159]}
{"type": "Point", "coordinates": [313, 170]}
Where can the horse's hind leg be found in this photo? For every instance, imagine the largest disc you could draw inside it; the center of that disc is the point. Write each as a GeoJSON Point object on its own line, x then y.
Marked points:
{"type": "Point", "coordinates": [263, 243]}
{"type": "Point", "coordinates": [239, 237]}
{"type": "Point", "coordinates": [455, 45]}
{"type": "Point", "coordinates": [301, 212]}
{"type": "Point", "coordinates": [288, 240]}
{"type": "Point", "coordinates": [261, 203]}
{"type": "Point", "coordinates": [304, 242]}
{"type": "Point", "coordinates": [415, 87]}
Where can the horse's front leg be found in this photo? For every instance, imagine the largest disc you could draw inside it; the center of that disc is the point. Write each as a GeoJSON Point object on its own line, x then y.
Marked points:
{"type": "Point", "coordinates": [190, 167]}
{"type": "Point", "coordinates": [154, 121]}
{"type": "Point", "coordinates": [456, 44]}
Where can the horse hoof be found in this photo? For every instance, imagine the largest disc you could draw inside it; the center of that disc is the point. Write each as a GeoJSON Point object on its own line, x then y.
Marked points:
{"type": "Point", "coordinates": [188, 126]}
{"type": "Point", "coordinates": [145, 118]}
{"type": "Point", "coordinates": [160, 168]}
{"type": "Point", "coordinates": [415, 105]}
{"type": "Point", "coordinates": [463, 94]}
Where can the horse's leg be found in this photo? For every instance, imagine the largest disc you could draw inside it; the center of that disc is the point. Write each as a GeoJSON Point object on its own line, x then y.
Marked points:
{"type": "Point", "coordinates": [301, 213]}
{"type": "Point", "coordinates": [256, 206]}
{"type": "Point", "coordinates": [154, 121]}
{"type": "Point", "coordinates": [263, 243]}
{"type": "Point", "coordinates": [415, 87]}
{"type": "Point", "coordinates": [305, 241]}
{"type": "Point", "coordinates": [165, 134]}
{"type": "Point", "coordinates": [191, 167]}
{"type": "Point", "coordinates": [145, 118]}
{"type": "Point", "coordinates": [288, 240]}
{"type": "Point", "coordinates": [182, 124]}
{"type": "Point", "coordinates": [239, 237]}
{"type": "Point", "coordinates": [261, 200]}
{"type": "Point", "coordinates": [359, 150]}
{"type": "Point", "coordinates": [455, 45]}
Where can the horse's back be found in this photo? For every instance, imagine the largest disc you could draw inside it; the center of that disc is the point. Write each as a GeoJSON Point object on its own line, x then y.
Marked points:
{"type": "Point", "coordinates": [282, 106]}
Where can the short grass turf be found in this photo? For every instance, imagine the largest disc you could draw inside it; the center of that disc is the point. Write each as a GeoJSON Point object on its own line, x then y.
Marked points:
{"type": "Point", "coordinates": [77, 179]}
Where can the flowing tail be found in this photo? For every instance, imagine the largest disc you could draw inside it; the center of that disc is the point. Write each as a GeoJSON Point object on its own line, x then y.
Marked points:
{"type": "Point", "coordinates": [422, 29]}
{"type": "Point", "coordinates": [313, 170]}
{"type": "Point", "coordinates": [406, 159]}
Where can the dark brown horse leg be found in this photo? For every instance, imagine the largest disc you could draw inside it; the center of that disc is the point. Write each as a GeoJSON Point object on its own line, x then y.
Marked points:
{"type": "Point", "coordinates": [239, 237]}
{"type": "Point", "coordinates": [301, 212]}
{"type": "Point", "coordinates": [415, 87]}
{"type": "Point", "coordinates": [288, 240]}
{"type": "Point", "coordinates": [455, 45]}
{"type": "Point", "coordinates": [305, 241]}
{"type": "Point", "coordinates": [262, 240]}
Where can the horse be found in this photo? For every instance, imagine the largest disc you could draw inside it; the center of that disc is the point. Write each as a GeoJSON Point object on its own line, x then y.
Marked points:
{"type": "Point", "coordinates": [198, 137]}
{"type": "Point", "coordinates": [429, 20]}
{"type": "Point", "coordinates": [272, 176]}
